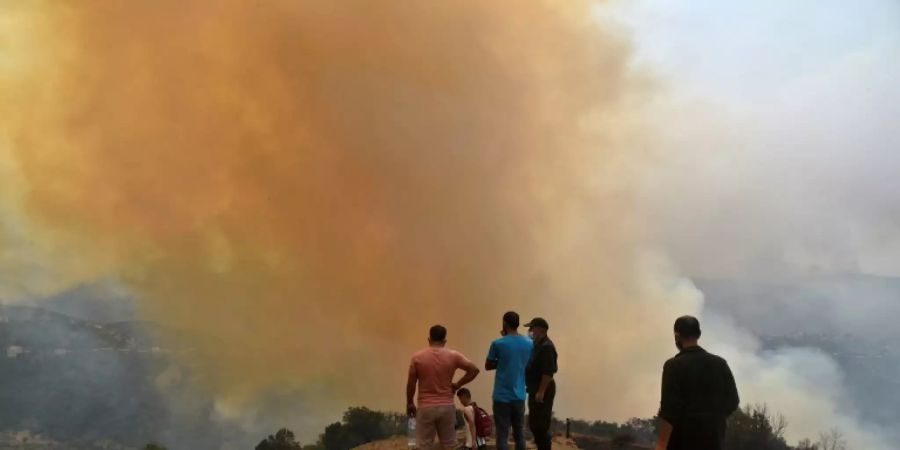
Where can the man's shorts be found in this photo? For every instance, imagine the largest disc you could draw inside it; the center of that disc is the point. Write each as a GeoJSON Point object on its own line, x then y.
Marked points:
{"type": "Point", "coordinates": [436, 420]}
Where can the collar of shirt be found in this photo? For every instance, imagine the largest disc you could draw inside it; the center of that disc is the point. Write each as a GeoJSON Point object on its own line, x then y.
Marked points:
{"type": "Point", "coordinates": [539, 345]}
{"type": "Point", "coordinates": [693, 349]}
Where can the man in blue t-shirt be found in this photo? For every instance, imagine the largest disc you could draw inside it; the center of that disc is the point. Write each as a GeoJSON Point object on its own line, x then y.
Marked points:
{"type": "Point", "coordinates": [509, 356]}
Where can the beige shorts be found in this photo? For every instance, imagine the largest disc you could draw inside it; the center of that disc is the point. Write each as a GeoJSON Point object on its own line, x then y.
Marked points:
{"type": "Point", "coordinates": [436, 420]}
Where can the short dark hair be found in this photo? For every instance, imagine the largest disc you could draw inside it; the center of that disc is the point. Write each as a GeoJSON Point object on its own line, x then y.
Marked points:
{"type": "Point", "coordinates": [687, 327]}
{"type": "Point", "coordinates": [511, 319]}
{"type": "Point", "coordinates": [463, 391]}
{"type": "Point", "coordinates": [437, 333]}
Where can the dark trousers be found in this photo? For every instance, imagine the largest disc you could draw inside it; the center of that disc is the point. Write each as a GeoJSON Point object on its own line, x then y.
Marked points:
{"type": "Point", "coordinates": [540, 417]}
{"type": "Point", "coordinates": [508, 414]}
{"type": "Point", "coordinates": [698, 431]}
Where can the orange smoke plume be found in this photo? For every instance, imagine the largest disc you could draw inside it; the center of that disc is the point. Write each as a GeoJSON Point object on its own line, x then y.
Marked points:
{"type": "Point", "coordinates": [307, 186]}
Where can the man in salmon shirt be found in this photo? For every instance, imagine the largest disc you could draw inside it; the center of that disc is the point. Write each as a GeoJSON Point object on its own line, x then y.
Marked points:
{"type": "Point", "coordinates": [433, 368]}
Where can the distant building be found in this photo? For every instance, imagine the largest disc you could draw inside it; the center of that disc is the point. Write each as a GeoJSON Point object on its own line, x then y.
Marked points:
{"type": "Point", "coordinates": [14, 350]}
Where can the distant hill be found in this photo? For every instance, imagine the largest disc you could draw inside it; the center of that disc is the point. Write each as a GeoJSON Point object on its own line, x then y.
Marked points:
{"type": "Point", "coordinates": [97, 302]}
{"type": "Point", "coordinates": [850, 317]}
{"type": "Point", "coordinates": [91, 385]}
{"type": "Point", "coordinates": [861, 305]}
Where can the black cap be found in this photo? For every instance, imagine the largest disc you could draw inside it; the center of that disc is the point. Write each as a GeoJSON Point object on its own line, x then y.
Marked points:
{"type": "Point", "coordinates": [687, 326]}
{"type": "Point", "coordinates": [538, 322]}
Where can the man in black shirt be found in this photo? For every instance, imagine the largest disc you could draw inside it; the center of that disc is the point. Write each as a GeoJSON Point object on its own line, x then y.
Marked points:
{"type": "Point", "coordinates": [698, 394]}
{"type": "Point", "coordinates": [540, 383]}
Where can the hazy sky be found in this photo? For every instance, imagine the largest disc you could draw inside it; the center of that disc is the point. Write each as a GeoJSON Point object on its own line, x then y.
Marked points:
{"type": "Point", "coordinates": [779, 136]}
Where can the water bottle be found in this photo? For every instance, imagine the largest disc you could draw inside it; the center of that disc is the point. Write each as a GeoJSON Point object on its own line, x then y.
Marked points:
{"type": "Point", "coordinates": [411, 433]}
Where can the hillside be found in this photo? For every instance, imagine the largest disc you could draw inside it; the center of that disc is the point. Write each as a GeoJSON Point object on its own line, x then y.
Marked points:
{"type": "Point", "coordinates": [834, 314]}
{"type": "Point", "coordinates": [67, 382]}
{"type": "Point", "coordinates": [825, 304]}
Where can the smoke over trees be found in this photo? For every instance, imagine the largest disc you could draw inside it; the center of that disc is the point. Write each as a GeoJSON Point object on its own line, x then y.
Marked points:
{"type": "Point", "coordinates": [303, 187]}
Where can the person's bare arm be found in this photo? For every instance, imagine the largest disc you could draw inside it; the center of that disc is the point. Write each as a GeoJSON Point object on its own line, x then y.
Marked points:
{"type": "Point", "coordinates": [542, 389]}
{"type": "Point", "coordinates": [470, 420]}
{"type": "Point", "coordinates": [471, 372]}
{"type": "Point", "coordinates": [490, 364]}
{"type": "Point", "coordinates": [665, 432]}
{"type": "Point", "coordinates": [411, 381]}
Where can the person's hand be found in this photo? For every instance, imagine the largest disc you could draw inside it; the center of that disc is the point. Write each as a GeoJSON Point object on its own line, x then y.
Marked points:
{"type": "Point", "coordinates": [411, 409]}
{"type": "Point", "coordinates": [455, 387]}
{"type": "Point", "coordinates": [539, 397]}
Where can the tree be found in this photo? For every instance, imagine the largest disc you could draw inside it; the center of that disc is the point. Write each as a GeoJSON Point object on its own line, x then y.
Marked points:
{"type": "Point", "coordinates": [832, 439]}
{"type": "Point", "coordinates": [394, 424]}
{"type": "Point", "coordinates": [806, 444]}
{"type": "Point", "coordinates": [334, 437]}
{"type": "Point", "coordinates": [645, 430]}
{"type": "Point", "coordinates": [364, 424]}
{"type": "Point", "coordinates": [779, 425]}
{"type": "Point", "coordinates": [282, 440]}
{"type": "Point", "coordinates": [753, 428]}
{"type": "Point", "coordinates": [361, 425]}
{"type": "Point", "coordinates": [604, 428]}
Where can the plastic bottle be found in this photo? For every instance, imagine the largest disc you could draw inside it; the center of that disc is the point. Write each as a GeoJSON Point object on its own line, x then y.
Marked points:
{"type": "Point", "coordinates": [411, 433]}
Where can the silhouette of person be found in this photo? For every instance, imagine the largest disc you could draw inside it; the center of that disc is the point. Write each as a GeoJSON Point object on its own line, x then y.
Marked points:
{"type": "Point", "coordinates": [698, 394]}
{"type": "Point", "coordinates": [540, 383]}
{"type": "Point", "coordinates": [508, 356]}
{"type": "Point", "coordinates": [431, 370]}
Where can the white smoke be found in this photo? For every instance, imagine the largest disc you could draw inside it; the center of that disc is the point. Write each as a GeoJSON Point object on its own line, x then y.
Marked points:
{"type": "Point", "coordinates": [779, 162]}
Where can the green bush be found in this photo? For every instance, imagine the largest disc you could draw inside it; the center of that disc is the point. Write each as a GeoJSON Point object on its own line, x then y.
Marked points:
{"type": "Point", "coordinates": [361, 425]}
{"type": "Point", "coordinates": [282, 440]}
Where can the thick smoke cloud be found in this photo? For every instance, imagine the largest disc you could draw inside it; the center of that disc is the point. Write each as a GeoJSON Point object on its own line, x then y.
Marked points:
{"type": "Point", "coordinates": [307, 187]}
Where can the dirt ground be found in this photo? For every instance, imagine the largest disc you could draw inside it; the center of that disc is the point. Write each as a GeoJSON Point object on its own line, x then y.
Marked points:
{"type": "Point", "coordinates": [399, 443]}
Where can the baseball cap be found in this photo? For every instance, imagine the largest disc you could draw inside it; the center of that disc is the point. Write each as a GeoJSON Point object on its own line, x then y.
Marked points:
{"type": "Point", "coordinates": [538, 322]}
